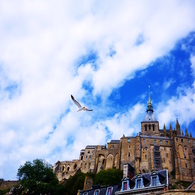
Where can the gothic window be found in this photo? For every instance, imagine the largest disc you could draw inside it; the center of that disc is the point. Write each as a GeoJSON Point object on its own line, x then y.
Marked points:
{"type": "Point", "coordinates": [189, 141]}
{"type": "Point", "coordinates": [89, 156]}
{"type": "Point", "coordinates": [143, 140]}
{"type": "Point", "coordinates": [177, 139]}
{"type": "Point", "coordinates": [81, 157]}
{"type": "Point", "coordinates": [129, 154]}
{"type": "Point", "coordinates": [145, 156]}
{"type": "Point", "coordinates": [154, 141]}
{"type": "Point", "coordinates": [186, 166]}
{"type": "Point", "coordinates": [149, 127]}
{"type": "Point", "coordinates": [153, 127]}
{"type": "Point", "coordinates": [145, 127]}
{"type": "Point", "coordinates": [184, 156]}
{"type": "Point", "coordinates": [129, 146]}
{"type": "Point", "coordinates": [68, 168]}
{"type": "Point", "coordinates": [129, 140]}
{"type": "Point", "coordinates": [181, 140]}
{"type": "Point", "coordinates": [166, 142]}
{"type": "Point", "coordinates": [86, 156]}
{"type": "Point", "coordinates": [160, 141]}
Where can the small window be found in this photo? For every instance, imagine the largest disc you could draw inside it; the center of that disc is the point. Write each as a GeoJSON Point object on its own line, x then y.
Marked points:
{"type": "Point", "coordinates": [184, 156]}
{"type": "Point", "coordinates": [149, 127]}
{"type": "Point", "coordinates": [138, 183]}
{"type": "Point", "coordinates": [145, 127]}
{"type": "Point", "coordinates": [125, 185]}
{"type": "Point", "coordinates": [129, 140]}
{"type": "Point", "coordinates": [88, 151]}
{"type": "Point", "coordinates": [186, 166]}
{"type": "Point", "coordinates": [143, 140]}
{"type": "Point", "coordinates": [89, 156]}
{"type": "Point", "coordinates": [129, 154]}
{"type": "Point", "coordinates": [97, 192]}
{"type": "Point", "coordinates": [166, 142]}
{"type": "Point", "coordinates": [112, 146]}
{"type": "Point", "coordinates": [160, 141]}
{"type": "Point", "coordinates": [68, 168]}
{"type": "Point", "coordinates": [189, 141]}
{"type": "Point", "coordinates": [153, 181]}
{"type": "Point", "coordinates": [181, 140]}
{"type": "Point", "coordinates": [153, 127]}
{"type": "Point", "coordinates": [129, 146]}
{"type": "Point", "coordinates": [109, 191]}
{"type": "Point", "coordinates": [177, 139]}
{"type": "Point", "coordinates": [145, 156]}
{"type": "Point", "coordinates": [155, 141]}
{"type": "Point", "coordinates": [86, 156]}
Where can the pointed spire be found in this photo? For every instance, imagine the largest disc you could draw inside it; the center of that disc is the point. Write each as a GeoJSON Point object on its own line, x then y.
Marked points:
{"type": "Point", "coordinates": [149, 107]}
{"type": "Point", "coordinates": [171, 132]}
{"type": "Point", "coordinates": [178, 127]}
{"type": "Point", "coordinates": [186, 132]}
{"type": "Point", "coordinates": [164, 131]}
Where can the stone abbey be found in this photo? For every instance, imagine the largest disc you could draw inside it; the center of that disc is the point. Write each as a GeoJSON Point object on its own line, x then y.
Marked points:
{"type": "Point", "coordinates": [152, 149]}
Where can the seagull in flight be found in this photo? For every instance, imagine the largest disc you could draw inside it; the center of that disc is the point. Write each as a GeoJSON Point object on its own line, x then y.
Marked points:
{"type": "Point", "coordinates": [79, 105]}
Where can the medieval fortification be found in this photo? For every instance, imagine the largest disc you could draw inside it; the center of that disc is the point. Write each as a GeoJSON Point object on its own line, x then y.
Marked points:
{"type": "Point", "coordinates": [152, 149]}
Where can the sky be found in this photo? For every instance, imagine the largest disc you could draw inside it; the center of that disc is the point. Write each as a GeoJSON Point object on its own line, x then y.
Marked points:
{"type": "Point", "coordinates": [104, 53]}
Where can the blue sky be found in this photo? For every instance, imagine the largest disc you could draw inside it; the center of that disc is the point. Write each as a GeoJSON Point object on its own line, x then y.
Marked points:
{"type": "Point", "coordinates": [106, 54]}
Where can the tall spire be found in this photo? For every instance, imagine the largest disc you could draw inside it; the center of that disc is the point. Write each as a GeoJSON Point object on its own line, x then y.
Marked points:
{"type": "Point", "coordinates": [149, 107]}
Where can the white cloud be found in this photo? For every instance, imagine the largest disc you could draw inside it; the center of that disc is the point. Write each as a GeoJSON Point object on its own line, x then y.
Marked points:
{"type": "Point", "coordinates": [41, 44]}
{"type": "Point", "coordinates": [181, 107]}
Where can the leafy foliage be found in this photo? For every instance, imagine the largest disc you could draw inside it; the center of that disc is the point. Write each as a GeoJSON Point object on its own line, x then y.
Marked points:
{"type": "Point", "coordinates": [74, 183]}
{"type": "Point", "coordinates": [108, 177]}
{"type": "Point", "coordinates": [37, 177]}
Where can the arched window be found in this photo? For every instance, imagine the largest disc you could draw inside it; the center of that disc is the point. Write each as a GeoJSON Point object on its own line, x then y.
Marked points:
{"type": "Point", "coordinates": [153, 127]}
{"type": "Point", "coordinates": [145, 127]}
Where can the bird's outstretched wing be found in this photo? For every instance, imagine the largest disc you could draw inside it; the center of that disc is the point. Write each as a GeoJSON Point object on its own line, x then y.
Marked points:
{"type": "Point", "coordinates": [77, 103]}
{"type": "Point", "coordinates": [86, 109]}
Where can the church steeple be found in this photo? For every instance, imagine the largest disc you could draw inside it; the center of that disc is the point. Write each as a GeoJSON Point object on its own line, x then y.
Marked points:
{"type": "Point", "coordinates": [149, 116]}
{"type": "Point", "coordinates": [149, 107]}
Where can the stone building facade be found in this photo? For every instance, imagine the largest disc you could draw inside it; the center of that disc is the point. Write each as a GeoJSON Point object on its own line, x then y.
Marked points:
{"type": "Point", "coordinates": [151, 149]}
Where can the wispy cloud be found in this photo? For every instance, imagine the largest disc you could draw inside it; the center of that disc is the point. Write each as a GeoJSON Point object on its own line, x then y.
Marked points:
{"type": "Point", "coordinates": [51, 50]}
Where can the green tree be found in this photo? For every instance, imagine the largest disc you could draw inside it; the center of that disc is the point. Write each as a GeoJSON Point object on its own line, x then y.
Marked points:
{"type": "Point", "coordinates": [108, 177]}
{"type": "Point", "coordinates": [74, 183]}
{"type": "Point", "coordinates": [38, 177]}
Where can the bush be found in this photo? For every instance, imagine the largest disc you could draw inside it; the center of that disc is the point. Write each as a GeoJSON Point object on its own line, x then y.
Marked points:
{"type": "Point", "coordinates": [108, 177]}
